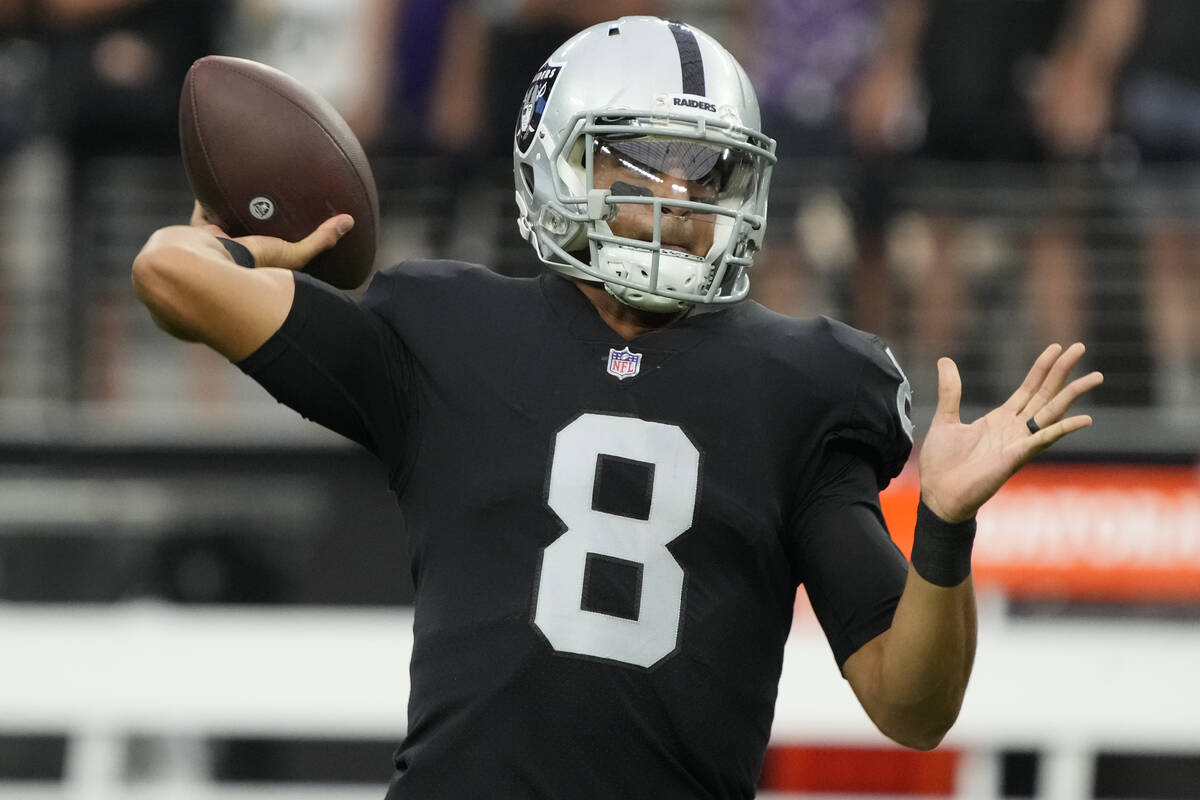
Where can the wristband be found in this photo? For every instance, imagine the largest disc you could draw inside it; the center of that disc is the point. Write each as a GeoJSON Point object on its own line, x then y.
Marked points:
{"type": "Point", "coordinates": [941, 552]}
{"type": "Point", "coordinates": [239, 252]}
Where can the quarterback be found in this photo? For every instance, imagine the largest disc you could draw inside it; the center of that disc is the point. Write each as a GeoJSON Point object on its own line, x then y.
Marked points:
{"type": "Point", "coordinates": [617, 475]}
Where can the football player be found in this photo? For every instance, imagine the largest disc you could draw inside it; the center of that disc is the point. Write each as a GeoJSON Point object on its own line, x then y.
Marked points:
{"type": "Point", "coordinates": [616, 475]}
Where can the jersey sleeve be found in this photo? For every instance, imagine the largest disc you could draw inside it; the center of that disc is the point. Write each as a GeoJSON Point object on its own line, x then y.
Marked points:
{"type": "Point", "coordinates": [843, 555]}
{"type": "Point", "coordinates": [875, 405]}
{"type": "Point", "coordinates": [837, 539]}
{"type": "Point", "coordinates": [339, 365]}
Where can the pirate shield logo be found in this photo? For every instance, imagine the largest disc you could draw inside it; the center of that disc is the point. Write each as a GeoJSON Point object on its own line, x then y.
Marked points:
{"type": "Point", "coordinates": [534, 104]}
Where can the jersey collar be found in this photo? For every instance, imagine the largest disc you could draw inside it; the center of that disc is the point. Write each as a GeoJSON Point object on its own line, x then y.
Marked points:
{"type": "Point", "coordinates": [584, 322]}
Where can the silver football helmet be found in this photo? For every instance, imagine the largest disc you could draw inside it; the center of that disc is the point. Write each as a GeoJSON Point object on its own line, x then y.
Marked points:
{"type": "Point", "coordinates": [639, 164]}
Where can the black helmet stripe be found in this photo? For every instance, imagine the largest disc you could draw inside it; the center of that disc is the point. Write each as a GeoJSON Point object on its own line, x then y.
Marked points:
{"type": "Point", "coordinates": [690, 62]}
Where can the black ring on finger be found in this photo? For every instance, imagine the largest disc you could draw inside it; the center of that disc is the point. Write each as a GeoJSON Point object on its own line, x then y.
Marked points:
{"type": "Point", "coordinates": [1031, 423]}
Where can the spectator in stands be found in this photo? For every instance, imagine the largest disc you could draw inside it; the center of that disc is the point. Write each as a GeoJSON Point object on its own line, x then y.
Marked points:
{"type": "Point", "coordinates": [115, 70]}
{"type": "Point", "coordinates": [519, 35]}
{"type": "Point", "coordinates": [119, 65]}
{"type": "Point", "coordinates": [344, 51]}
{"type": "Point", "coordinates": [1159, 106]}
{"type": "Point", "coordinates": [481, 78]}
{"type": "Point", "coordinates": [373, 60]}
{"type": "Point", "coordinates": [22, 63]}
{"type": "Point", "coordinates": [19, 74]}
{"type": "Point", "coordinates": [805, 58]}
{"type": "Point", "coordinates": [1019, 82]}
{"type": "Point", "coordinates": [435, 57]}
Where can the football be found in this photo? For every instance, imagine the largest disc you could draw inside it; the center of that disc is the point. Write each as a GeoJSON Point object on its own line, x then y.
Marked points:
{"type": "Point", "coordinates": [267, 155]}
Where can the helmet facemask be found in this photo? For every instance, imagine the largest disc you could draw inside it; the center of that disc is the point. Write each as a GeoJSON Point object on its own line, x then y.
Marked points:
{"type": "Point", "coordinates": [667, 210]}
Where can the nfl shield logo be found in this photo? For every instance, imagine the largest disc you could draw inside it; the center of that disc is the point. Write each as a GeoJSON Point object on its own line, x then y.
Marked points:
{"type": "Point", "coordinates": [623, 364]}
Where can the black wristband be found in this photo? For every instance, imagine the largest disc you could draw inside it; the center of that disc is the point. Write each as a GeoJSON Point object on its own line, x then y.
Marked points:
{"type": "Point", "coordinates": [941, 552]}
{"type": "Point", "coordinates": [240, 253]}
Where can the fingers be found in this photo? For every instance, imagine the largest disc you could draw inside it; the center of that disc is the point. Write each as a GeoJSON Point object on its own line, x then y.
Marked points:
{"type": "Point", "coordinates": [1043, 398]}
{"type": "Point", "coordinates": [1060, 370]}
{"type": "Point", "coordinates": [272, 252]}
{"type": "Point", "coordinates": [1032, 445]}
{"type": "Point", "coordinates": [1061, 403]}
{"type": "Point", "coordinates": [1033, 381]}
{"type": "Point", "coordinates": [949, 391]}
{"type": "Point", "coordinates": [1054, 428]}
{"type": "Point", "coordinates": [198, 218]}
{"type": "Point", "coordinates": [324, 237]}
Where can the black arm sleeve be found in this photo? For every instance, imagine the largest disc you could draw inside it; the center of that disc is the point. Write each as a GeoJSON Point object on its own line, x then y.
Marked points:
{"type": "Point", "coordinates": [853, 572]}
{"type": "Point", "coordinates": [341, 366]}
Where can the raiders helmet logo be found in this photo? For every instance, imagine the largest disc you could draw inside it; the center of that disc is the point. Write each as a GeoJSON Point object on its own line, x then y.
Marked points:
{"type": "Point", "coordinates": [534, 105]}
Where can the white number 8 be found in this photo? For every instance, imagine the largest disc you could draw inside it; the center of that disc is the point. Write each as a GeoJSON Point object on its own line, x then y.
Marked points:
{"type": "Point", "coordinates": [558, 611]}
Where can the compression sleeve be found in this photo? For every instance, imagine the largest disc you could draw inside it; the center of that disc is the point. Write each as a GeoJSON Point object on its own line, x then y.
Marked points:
{"type": "Point", "coordinates": [852, 571]}
{"type": "Point", "coordinates": [341, 366]}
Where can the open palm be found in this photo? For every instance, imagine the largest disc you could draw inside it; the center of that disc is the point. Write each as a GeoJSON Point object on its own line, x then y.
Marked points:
{"type": "Point", "coordinates": [962, 465]}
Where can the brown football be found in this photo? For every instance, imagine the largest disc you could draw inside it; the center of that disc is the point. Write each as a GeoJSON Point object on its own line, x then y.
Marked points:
{"type": "Point", "coordinates": [267, 155]}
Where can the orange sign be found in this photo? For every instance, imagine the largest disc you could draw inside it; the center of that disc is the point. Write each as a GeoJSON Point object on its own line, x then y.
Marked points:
{"type": "Point", "coordinates": [1085, 532]}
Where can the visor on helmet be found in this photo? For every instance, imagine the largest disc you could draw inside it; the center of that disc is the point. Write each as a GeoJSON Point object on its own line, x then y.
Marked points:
{"type": "Point", "coordinates": [727, 176]}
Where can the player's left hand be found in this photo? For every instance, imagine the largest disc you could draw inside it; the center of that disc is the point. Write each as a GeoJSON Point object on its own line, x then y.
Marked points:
{"type": "Point", "coordinates": [963, 465]}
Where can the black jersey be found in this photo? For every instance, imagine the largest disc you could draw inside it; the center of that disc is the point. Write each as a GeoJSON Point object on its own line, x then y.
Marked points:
{"type": "Point", "coordinates": [606, 536]}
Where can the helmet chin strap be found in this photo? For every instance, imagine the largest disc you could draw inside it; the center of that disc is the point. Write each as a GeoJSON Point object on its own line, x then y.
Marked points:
{"type": "Point", "coordinates": [677, 272]}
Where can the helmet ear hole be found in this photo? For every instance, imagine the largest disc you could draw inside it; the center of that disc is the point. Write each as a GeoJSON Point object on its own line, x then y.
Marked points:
{"type": "Point", "coordinates": [527, 176]}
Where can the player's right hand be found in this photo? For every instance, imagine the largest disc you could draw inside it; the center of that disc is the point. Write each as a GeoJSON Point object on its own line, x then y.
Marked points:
{"type": "Point", "coordinates": [200, 217]}
{"type": "Point", "coordinates": [269, 251]}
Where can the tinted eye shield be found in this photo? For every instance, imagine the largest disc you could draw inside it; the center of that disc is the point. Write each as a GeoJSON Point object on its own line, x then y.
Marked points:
{"type": "Point", "coordinates": [688, 145]}
{"type": "Point", "coordinates": [621, 189]}
{"type": "Point", "coordinates": [679, 175]}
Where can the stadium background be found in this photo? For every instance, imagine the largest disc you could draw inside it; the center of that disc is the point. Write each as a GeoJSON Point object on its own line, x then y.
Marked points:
{"type": "Point", "coordinates": [202, 596]}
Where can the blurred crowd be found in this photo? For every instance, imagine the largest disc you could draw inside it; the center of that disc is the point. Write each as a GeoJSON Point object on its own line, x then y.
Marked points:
{"type": "Point", "coordinates": [902, 126]}
{"type": "Point", "coordinates": [1089, 108]}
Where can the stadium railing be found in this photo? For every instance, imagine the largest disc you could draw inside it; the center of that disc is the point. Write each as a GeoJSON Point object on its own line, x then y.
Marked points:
{"type": "Point", "coordinates": [81, 357]}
